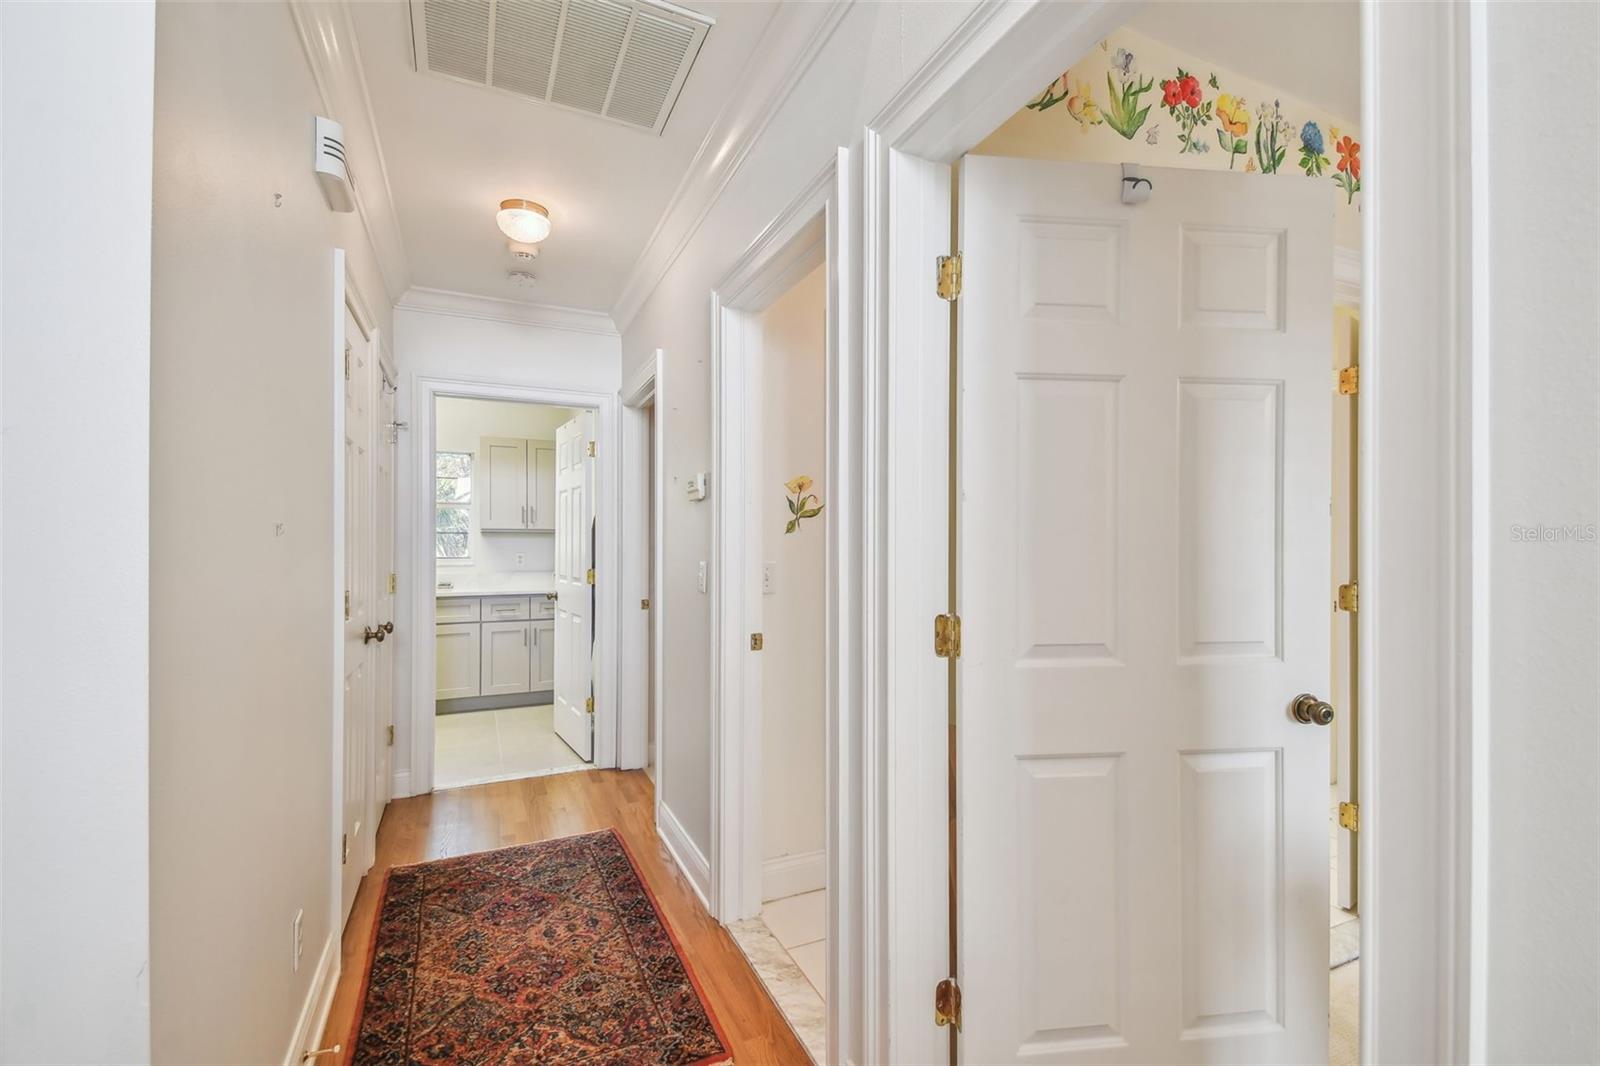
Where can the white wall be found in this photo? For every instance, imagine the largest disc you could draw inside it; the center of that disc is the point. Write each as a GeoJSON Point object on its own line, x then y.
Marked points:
{"type": "Point", "coordinates": [74, 465]}
{"type": "Point", "coordinates": [870, 54]}
{"type": "Point", "coordinates": [459, 426]}
{"type": "Point", "coordinates": [1544, 670]}
{"type": "Point", "coordinates": [793, 442]}
{"type": "Point", "coordinates": [242, 441]}
{"type": "Point", "coordinates": [473, 345]}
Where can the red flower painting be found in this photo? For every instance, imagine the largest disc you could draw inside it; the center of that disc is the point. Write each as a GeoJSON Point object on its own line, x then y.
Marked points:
{"type": "Point", "coordinates": [1349, 167]}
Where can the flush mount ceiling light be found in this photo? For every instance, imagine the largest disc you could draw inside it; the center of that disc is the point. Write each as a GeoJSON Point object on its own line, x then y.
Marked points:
{"type": "Point", "coordinates": [523, 221]}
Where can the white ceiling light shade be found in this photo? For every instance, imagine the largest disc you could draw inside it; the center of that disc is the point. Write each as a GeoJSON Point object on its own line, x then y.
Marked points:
{"type": "Point", "coordinates": [523, 221]}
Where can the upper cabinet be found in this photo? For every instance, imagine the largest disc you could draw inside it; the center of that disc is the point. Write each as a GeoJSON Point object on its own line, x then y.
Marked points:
{"type": "Point", "coordinates": [517, 485]}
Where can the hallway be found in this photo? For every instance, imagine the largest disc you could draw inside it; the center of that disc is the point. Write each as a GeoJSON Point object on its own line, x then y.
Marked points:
{"type": "Point", "coordinates": [484, 817]}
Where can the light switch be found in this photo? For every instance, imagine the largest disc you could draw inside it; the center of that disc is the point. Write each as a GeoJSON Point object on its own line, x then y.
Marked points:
{"type": "Point", "coordinates": [700, 578]}
{"type": "Point", "coordinates": [769, 578]}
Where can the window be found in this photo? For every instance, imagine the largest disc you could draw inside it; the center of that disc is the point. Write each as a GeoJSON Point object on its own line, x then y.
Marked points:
{"type": "Point", "coordinates": [452, 496]}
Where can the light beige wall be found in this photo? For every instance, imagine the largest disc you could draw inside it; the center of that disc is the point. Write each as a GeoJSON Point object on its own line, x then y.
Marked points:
{"type": "Point", "coordinates": [1081, 125]}
{"type": "Point", "coordinates": [240, 657]}
{"type": "Point", "coordinates": [793, 443]}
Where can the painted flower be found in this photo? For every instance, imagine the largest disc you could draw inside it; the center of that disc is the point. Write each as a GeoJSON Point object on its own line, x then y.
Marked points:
{"type": "Point", "coordinates": [1171, 95]}
{"type": "Point", "coordinates": [802, 505]}
{"type": "Point", "coordinates": [1181, 96]}
{"type": "Point", "coordinates": [1233, 114]}
{"type": "Point", "coordinates": [1349, 156]}
{"type": "Point", "coordinates": [798, 485]}
{"type": "Point", "coordinates": [1122, 62]}
{"type": "Point", "coordinates": [1272, 131]}
{"type": "Point", "coordinates": [1083, 109]}
{"type": "Point", "coordinates": [1053, 94]}
{"type": "Point", "coordinates": [1311, 146]}
{"type": "Point", "coordinates": [1349, 167]}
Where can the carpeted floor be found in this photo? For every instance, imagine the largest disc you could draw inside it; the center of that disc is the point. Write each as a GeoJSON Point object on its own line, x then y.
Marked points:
{"type": "Point", "coordinates": [548, 952]}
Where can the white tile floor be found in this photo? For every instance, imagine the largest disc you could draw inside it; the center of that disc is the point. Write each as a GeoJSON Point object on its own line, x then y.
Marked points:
{"type": "Point", "coordinates": [476, 747]}
{"type": "Point", "coordinates": [800, 924]}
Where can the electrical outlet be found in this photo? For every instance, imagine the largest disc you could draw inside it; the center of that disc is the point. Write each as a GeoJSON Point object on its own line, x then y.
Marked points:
{"type": "Point", "coordinates": [700, 578]}
{"type": "Point", "coordinates": [521, 558]}
{"type": "Point", "coordinates": [769, 578]}
{"type": "Point", "coordinates": [299, 939]}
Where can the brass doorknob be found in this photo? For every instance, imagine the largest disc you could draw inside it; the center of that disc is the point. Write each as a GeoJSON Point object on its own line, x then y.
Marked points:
{"type": "Point", "coordinates": [1310, 710]}
{"type": "Point", "coordinates": [387, 627]}
{"type": "Point", "coordinates": [369, 635]}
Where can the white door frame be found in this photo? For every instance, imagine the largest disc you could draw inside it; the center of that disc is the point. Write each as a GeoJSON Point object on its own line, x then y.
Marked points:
{"type": "Point", "coordinates": [642, 560]}
{"type": "Point", "coordinates": [1423, 592]}
{"type": "Point", "coordinates": [806, 234]}
{"type": "Point", "coordinates": [420, 567]}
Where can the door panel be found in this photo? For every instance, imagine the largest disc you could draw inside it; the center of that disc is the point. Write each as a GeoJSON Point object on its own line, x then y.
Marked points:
{"type": "Point", "coordinates": [360, 583]}
{"type": "Point", "coordinates": [574, 620]}
{"type": "Point", "coordinates": [507, 656]}
{"type": "Point", "coordinates": [544, 656]}
{"type": "Point", "coordinates": [502, 478]}
{"type": "Point", "coordinates": [1144, 474]}
{"type": "Point", "coordinates": [541, 485]}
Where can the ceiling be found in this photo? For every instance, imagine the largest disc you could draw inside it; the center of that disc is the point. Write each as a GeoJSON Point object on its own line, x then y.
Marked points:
{"type": "Point", "coordinates": [1309, 49]}
{"type": "Point", "coordinates": [453, 151]}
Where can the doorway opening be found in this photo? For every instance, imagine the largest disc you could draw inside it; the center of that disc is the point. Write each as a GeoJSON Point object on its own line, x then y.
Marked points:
{"type": "Point", "coordinates": [514, 540]}
{"type": "Point", "coordinates": [1147, 469]}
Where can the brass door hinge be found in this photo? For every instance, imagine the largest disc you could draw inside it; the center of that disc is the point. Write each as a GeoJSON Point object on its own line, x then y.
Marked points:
{"type": "Point", "coordinates": [947, 1003]}
{"type": "Point", "coordinates": [949, 283]}
{"type": "Point", "coordinates": [347, 605]}
{"type": "Point", "coordinates": [1349, 597]}
{"type": "Point", "coordinates": [344, 848]}
{"type": "Point", "coordinates": [591, 449]}
{"type": "Point", "coordinates": [589, 577]}
{"type": "Point", "coordinates": [588, 704]}
{"type": "Point", "coordinates": [757, 642]}
{"type": "Point", "coordinates": [1350, 816]}
{"type": "Point", "coordinates": [947, 636]}
{"type": "Point", "coordinates": [347, 361]}
{"type": "Point", "coordinates": [394, 583]}
{"type": "Point", "coordinates": [644, 605]}
{"type": "Point", "coordinates": [1349, 381]}
{"type": "Point", "coordinates": [391, 736]}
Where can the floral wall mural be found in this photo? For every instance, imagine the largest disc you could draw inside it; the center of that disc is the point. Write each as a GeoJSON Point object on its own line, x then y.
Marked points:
{"type": "Point", "coordinates": [1137, 100]}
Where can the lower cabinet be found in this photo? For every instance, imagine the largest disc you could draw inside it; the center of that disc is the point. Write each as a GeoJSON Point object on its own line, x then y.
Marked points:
{"type": "Point", "coordinates": [507, 658]}
{"type": "Point", "coordinates": [456, 654]}
{"type": "Point", "coordinates": [544, 655]}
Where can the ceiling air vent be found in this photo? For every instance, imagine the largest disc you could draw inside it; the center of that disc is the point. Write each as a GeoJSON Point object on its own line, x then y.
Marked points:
{"type": "Point", "coordinates": [625, 60]}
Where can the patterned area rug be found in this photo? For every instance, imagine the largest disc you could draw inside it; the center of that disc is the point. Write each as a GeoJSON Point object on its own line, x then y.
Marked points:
{"type": "Point", "coordinates": [548, 952]}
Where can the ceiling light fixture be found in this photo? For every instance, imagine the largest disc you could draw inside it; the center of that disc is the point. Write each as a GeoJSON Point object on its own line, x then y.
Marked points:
{"type": "Point", "coordinates": [523, 221]}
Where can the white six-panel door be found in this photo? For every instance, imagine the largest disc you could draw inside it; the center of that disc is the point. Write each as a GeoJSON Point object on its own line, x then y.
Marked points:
{"type": "Point", "coordinates": [1144, 473]}
{"type": "Point", "coordinates": [574, 621]}
{"type": "Point", "coordinates": [360, 657]}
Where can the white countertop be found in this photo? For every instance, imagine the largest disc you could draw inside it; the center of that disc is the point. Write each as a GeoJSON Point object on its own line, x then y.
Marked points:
{"type": "Point", "coordinates": [523, 583]}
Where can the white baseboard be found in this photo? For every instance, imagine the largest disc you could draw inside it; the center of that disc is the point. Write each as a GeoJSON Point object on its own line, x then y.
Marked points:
{"type": "Point", "coordinates": [402, 784]}
{"type": "Point", "coordinates": [319, 1001]}
{"type": "Point", "coordinates": [689, 858]}
{"type": "Point", "coordinates": [790, 875]}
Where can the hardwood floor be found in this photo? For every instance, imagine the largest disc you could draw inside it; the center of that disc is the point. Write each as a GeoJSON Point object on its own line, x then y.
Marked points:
{"type": "Point", "coordinates": [464, 820]}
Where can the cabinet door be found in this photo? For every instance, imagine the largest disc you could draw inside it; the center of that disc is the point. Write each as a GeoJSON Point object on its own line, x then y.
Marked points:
{"type": "Point", "coordinates": [502, 483]}
{"type": "Point", "coordinates": [456, 660]}
{"type": "Point", "coordinates": [544, 658]}
{"type": "Point", "coordinates": [507, 655]}
{"type": "Point", "coordinates": [542, 484]}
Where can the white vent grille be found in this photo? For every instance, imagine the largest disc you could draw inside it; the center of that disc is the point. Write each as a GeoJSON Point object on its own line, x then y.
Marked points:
{"type": "Point", "coordinates": [625, 60]}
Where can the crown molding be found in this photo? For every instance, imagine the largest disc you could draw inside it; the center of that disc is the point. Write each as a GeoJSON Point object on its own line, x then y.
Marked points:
{"type": "Point", "coordinates": [773, 70]}
{"type": "Point", "coordinates": [328, 36]}
{"type": "Point", "coordinates": [1347, 275]}
{"type": "Point", "coordinates": [495, 309]}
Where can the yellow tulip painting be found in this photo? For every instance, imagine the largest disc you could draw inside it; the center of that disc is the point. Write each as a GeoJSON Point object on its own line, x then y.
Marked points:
{"type": "Point", "coordinates": [803, 503]}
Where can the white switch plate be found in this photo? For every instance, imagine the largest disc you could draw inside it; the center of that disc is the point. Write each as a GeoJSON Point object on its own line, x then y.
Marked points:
{"type": "Point", "coordinates": [700, 576]}
{"type": "Point", "coordinates": [769, 578]}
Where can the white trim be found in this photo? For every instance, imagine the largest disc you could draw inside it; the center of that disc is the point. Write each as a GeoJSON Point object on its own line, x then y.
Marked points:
{"type": "Point", "coordinates": [810, 230]}
{"type": "Point", "coordinates": [1347, 276]}
{"type": "Point", "coordinates": [771, 73]}
{"type": "Point", "coordinates": [313, 1018]}
{"type": "Point", "coordinates": [341, 286]}
{"type": "Point", "coordinates": [689, 858]}
{"type": "Point", "coordinates": [792, 875]}
{"type": "Point", "coordinates": [402, 784]}
{"type": "Point", "coordinates": [497, 309]}
{"type": "Point", "coordinates": [640, 542]}
{"type": "Point", "coordinates": [328, 37]}
{"type": "Point", "coordinates": [420, 566]}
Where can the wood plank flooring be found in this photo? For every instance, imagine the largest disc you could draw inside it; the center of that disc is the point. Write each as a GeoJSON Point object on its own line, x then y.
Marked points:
{"type": "Point", "coordinates": [464, 820]}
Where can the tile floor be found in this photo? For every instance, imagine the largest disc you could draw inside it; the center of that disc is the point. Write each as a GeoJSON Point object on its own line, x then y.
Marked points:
{"type": "Point", "coordinates": [800, 924]}
{"type": "Point", "coordinates": [477, 747]}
